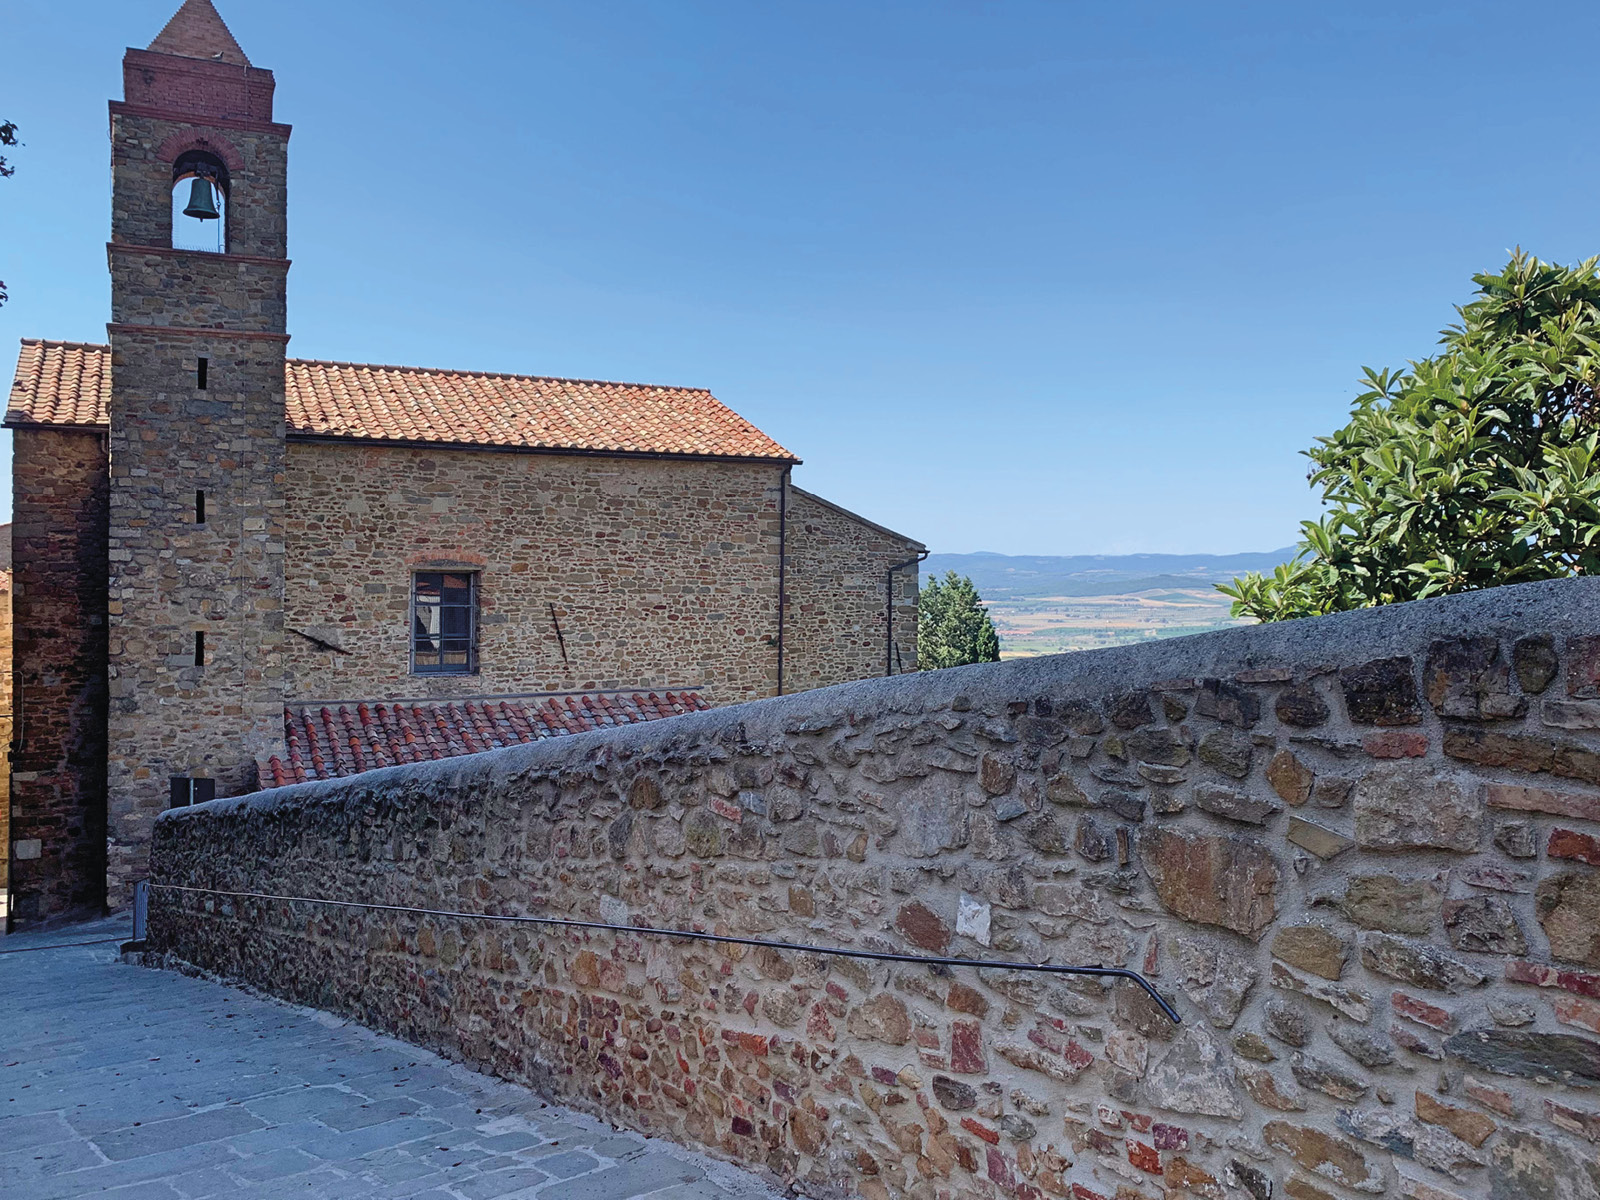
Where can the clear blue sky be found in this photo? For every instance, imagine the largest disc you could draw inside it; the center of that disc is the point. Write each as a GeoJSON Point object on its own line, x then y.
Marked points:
{"type": "Point", "coordinates": [1033, 277]}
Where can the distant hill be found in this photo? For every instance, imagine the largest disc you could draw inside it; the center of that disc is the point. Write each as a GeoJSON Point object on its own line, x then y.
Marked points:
{"type": "Point", "coordinates": [1016, 576]}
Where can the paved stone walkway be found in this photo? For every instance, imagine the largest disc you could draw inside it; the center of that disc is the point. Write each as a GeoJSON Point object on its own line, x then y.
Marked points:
{"type": "Point", "coordinates": [137, 1084]}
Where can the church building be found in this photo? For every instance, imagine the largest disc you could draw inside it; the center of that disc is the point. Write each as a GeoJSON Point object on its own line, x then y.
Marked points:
{"type": "Point", "coordinates": [233, 569]}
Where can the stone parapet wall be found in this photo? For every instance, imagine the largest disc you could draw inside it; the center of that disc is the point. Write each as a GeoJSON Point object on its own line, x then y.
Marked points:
{"type": "Point", "coordinates": [1357, 853]}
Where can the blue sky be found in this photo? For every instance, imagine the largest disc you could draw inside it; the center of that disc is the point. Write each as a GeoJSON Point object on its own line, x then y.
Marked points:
{"type": "Point", "coordinates": [1031, 277]}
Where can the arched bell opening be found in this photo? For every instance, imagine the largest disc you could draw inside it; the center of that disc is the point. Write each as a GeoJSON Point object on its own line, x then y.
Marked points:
{"type": "Point", "coordinates": [200, 202]}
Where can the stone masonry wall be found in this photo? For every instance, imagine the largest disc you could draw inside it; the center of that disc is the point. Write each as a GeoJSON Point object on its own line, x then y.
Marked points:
{"type": "Point", "coordinates": [172, 578]}
{"type": "Point", "coordinates": [57, 798]}
{"type": "Point", "coordinates": [661, 573]}
{"type": "Point", "coordinates": [144, 144]}
{"type": "Point", "coordinates": [837, 581]}
{"type": "Point", "coordinates": [1359, 854]}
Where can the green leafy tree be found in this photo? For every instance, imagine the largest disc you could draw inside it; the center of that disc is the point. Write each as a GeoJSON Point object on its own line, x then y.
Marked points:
{"type": "Point", "coordinates": [953, 627]}
{"type": "Point", "coordinates": [1475, 467]}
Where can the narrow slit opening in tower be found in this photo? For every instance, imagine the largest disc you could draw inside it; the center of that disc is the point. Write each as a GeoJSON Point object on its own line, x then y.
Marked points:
{"type": "Point", "coordinates": [199, 505]}
{"type": "Point", "coordinates": [200, 374]}
{"type": "Point", "coordinates": [199, 647]}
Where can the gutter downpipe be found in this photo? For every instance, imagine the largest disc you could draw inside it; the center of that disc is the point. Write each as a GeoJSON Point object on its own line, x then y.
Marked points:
{"type": "Point", "coordinates": [888, 611]}
{"type": "Point", "coordinates": [783, 560]}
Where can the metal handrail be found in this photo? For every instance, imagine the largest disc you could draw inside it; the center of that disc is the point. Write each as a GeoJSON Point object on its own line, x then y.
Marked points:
{"type": "Point", "coordinates": [695, 935]}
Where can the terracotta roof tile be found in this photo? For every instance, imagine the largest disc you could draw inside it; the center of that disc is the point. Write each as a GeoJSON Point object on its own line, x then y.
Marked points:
{"type": "Point", "coordinates": [69, 383]}
{"type": "Point", "coordinates": [332, 741]}
{"type": "Point", "coordinates": [60, 383]}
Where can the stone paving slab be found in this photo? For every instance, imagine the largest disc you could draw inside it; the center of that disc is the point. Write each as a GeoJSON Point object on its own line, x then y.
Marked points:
{"type": "Point", "coordinates": [136, 1084]}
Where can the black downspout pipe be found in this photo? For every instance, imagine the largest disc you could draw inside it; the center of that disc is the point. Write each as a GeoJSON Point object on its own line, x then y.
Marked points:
{"type": "Point", "coordinates": [888, 611]}
{"type": "Point", "coordinates": [783, 560]}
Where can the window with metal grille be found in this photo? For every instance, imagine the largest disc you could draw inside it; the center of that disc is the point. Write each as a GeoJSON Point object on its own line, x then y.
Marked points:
{"type": "Point", "coordinates": [444, 623]}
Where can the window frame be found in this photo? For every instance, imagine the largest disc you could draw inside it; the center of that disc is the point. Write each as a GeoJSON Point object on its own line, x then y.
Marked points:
{"type": "Point", "coordinates": [470, 667]}
{"type": "Point", "coordinates": [187, 790]}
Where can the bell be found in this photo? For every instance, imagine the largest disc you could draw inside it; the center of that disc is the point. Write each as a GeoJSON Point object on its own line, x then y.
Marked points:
{"type": "Point", "coordinates": [201, 204]}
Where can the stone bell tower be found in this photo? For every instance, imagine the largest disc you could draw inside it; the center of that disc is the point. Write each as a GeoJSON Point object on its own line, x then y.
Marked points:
{"type": "Point", "coordinates": [197, 432]}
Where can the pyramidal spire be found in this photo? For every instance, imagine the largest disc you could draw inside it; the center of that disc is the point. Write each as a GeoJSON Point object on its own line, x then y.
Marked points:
{"type": "Point", "coordinates": [197, 30]}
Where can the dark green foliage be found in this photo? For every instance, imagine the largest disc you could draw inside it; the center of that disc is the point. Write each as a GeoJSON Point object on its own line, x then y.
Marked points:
{"type": "Point", "coordinates": [1475, 467]}
{"type": "Point", "coordinates": [8, 137]}
{"type": "Point", "coordinates": [953, 628]}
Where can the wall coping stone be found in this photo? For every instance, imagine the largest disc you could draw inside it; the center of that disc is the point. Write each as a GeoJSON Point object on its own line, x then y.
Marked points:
{"type": "Point", "coordinates": [1572, 605]}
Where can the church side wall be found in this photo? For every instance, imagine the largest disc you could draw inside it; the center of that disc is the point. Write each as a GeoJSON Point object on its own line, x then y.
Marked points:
{"type": "Point", "coordinates": [838, 585]}
{"type": "Point", "coordinates": [58, 780]}
{"type": "Point", "coordinates": [661, 573]}
{"type": "Point", "coordinates": [1359, 854]}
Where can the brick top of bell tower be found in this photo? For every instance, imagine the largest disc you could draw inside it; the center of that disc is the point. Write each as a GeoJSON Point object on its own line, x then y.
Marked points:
{"type": "Point", "coordinates": [195, 68]}
{"type": "Point", "coordinates": [197, 30]}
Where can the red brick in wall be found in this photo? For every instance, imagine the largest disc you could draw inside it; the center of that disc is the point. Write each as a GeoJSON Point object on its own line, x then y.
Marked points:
{"type": "Point", "coordinates": [197, 87]}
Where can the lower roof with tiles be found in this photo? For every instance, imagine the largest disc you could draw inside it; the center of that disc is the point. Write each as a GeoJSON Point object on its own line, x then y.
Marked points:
{"type": "Point", "coordinates": [69, 384]}
{"type": "Point", "coordinates": [330, 741]}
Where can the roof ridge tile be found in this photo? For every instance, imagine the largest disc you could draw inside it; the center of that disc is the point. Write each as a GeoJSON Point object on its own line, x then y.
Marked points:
{"type": "Point", "coordinates": [469, 373]}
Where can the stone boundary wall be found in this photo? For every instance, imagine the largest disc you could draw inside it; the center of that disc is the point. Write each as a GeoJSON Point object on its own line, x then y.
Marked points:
{"type": "Point", "coordinates": [1358, 854]}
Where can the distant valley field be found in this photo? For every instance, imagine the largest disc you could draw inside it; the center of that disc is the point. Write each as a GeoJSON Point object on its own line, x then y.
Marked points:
{"type": "Point", "coordinates": [1043, 604]}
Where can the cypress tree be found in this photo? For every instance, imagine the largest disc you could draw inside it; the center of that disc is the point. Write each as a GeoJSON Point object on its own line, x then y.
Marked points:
{"type": "Point", "coordinates": [953, 627]}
